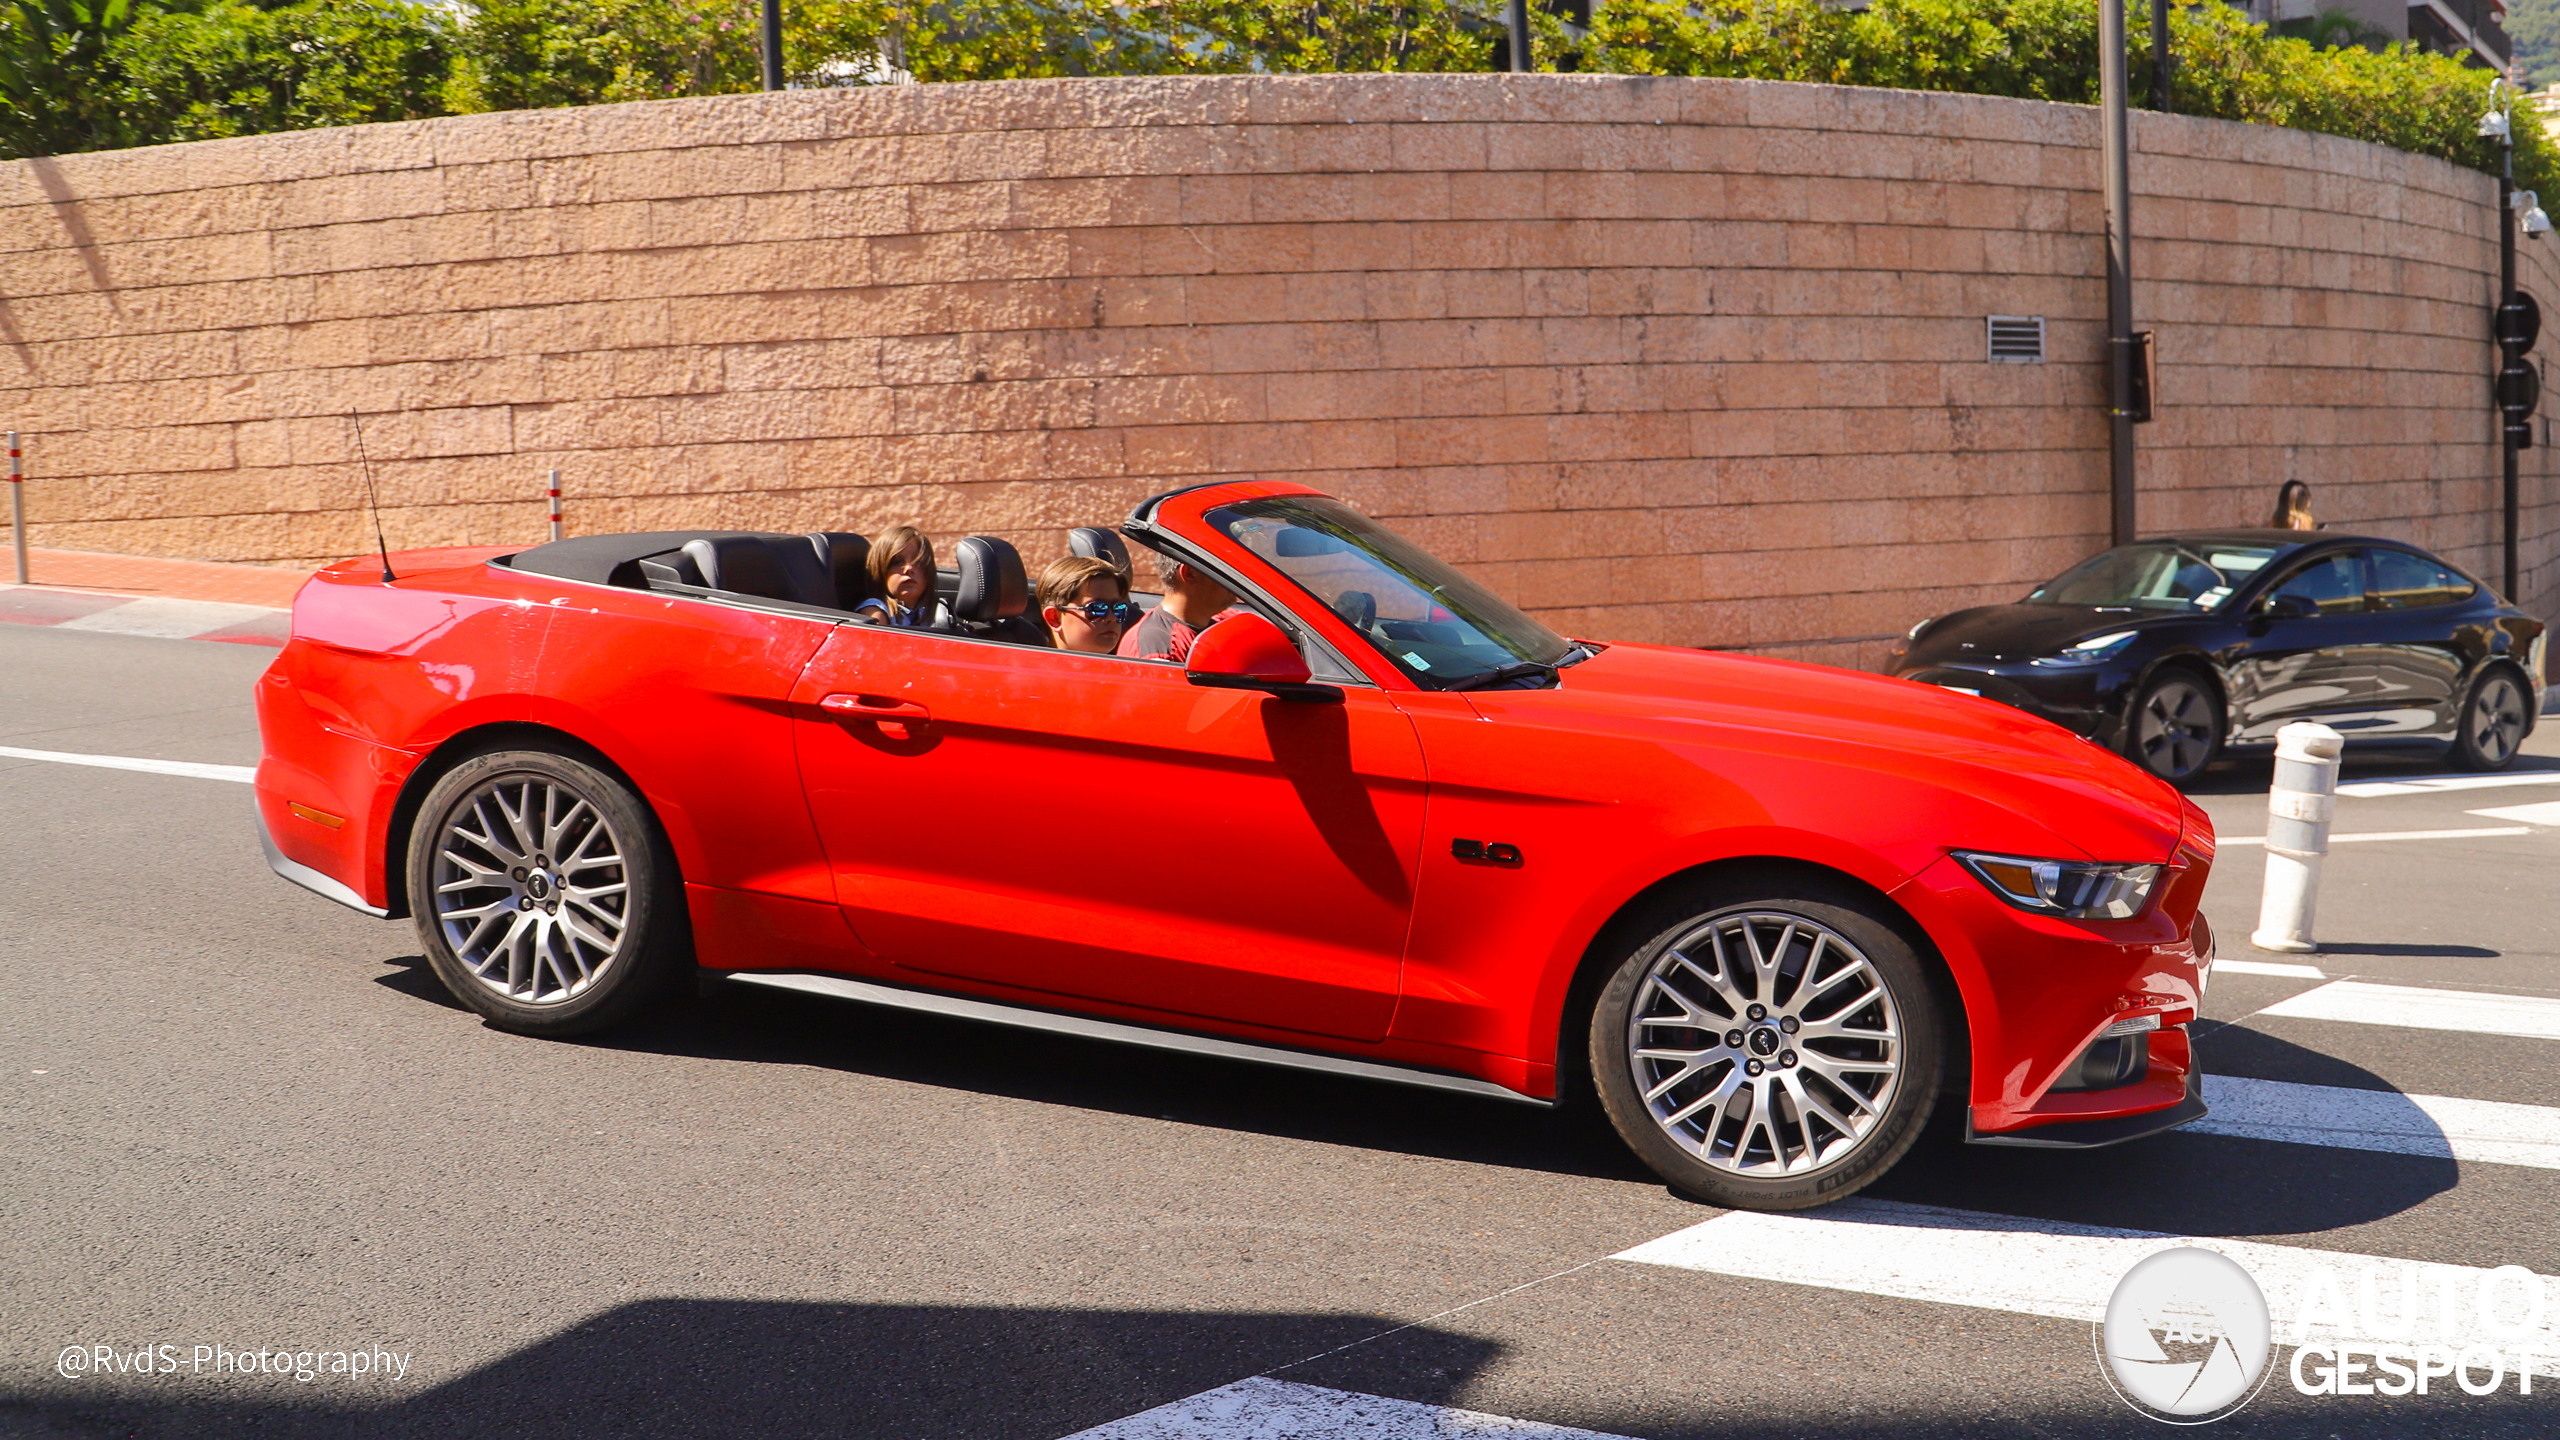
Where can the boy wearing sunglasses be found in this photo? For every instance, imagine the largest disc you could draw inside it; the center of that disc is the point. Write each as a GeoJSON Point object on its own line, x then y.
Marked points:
{"type": "Point", "coordinates": [1085, 604]}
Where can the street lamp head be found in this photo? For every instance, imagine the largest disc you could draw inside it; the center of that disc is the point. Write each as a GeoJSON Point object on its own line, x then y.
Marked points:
{"type": "Point", "coordinates": [2502, 102]}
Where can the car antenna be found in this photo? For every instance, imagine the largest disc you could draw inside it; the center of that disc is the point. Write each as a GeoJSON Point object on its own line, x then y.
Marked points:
{"type": "Point", "coordinates": [372, 502]}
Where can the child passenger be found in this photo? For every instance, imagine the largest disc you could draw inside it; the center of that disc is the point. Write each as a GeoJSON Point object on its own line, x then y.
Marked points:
{"type": "Point", "coordinates": [901, 568]}
{"type": "Point", "coordinates": [1085, 604]}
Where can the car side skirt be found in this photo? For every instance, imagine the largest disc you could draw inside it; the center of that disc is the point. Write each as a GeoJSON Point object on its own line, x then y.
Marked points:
{"type": "Point", "coordinates": [2091, 1134]}
{"type": "Point", "coordinates": [1030, 1018]}
{"type": "Point", "coordinates": [312, 880]}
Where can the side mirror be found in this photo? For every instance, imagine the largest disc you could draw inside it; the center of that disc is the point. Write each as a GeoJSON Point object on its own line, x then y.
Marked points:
{"type": "Point", "coordinates": [1248, 652]}
{"type": "Point", "coordinates": [2288, 607]}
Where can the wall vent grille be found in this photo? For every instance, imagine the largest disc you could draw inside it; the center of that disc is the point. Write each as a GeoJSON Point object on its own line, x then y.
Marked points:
{"type": "Point", "coordinates": [2017, 339]}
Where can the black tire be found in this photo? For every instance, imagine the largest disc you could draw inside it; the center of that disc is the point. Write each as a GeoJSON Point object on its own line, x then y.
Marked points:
{"type": "Point", "coordinates": [1776, 1149]}
{"type": "Point", "coordinates": [546, 943]}
{"type": "Point", "coordinates": [2174, 728]}
{"type": "Point", "coordinates": [2496, 715]}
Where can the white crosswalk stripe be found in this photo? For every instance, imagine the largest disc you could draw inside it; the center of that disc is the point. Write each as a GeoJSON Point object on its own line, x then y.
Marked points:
{"type": "Point", "coordinates": [2359, 1002]}
{"type": "Point", "coordinates": [2438, 784]}
{"type": "Point", "coordinates": [242, 774]}
{"type": "Point", "coordinates": [2067, 1272]}
{"type": "Point", "coordinates": [1266, 1409]}
{"type": "Point", "coordinates": [2484, 1131]}
{"type": "Point", "coordinates": [2546, 813]}
{"type": "Point", "coordinates": [169, 619]}
{"type": "Point", "coordinates": [2269, 967]}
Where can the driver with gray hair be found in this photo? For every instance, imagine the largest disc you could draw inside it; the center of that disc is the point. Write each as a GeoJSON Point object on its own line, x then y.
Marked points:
{"type": "Point", "coordinates": [1192, 601]}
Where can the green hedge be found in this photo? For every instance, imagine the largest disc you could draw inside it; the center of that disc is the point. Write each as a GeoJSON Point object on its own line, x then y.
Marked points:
{"type": "Point", "coordinates": [98, 74]}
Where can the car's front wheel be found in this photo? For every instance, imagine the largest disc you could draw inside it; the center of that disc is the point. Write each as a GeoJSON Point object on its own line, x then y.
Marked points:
{"type": "Point", "coordinates": [545, 894]}
{"type": "Point", "coordinates": [2176, 726]}
{"type": "Point", "coordinates": [1773, 1043]}
{"type": "Point", "coordinates": [2493, 721]}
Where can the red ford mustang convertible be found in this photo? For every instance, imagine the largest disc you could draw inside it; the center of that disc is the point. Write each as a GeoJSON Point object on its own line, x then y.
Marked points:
{"type": "Point", "coordinates": [1773, 914]}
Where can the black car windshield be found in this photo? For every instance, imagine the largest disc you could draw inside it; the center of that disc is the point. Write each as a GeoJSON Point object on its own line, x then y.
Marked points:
{"type": "Point", "coordinates": [2157, 575]}
{"type": "Point", "coordinates": [1439, 627]}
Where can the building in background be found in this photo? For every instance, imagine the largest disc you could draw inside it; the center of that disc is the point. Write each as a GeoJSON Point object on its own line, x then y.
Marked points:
{"type": "Point", "coordinates": [2472, 29]}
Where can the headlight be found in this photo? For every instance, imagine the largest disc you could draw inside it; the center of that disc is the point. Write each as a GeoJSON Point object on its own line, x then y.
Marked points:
{"type": "Point", "coordinates": [2091, 650]}
{"type": "Point", "coordinates": [2072, 889]}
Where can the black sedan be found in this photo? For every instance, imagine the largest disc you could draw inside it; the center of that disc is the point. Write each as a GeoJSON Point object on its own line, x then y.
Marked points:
{"type": "Point", "coordinates": [2176, 649]}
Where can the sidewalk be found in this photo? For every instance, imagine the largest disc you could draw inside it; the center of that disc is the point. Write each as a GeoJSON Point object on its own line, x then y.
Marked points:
{"type": "Point", "coordinates": [143, 595]}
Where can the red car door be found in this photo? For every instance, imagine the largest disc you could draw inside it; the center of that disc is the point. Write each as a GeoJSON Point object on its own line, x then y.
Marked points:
{"type": "Point", "coordinates": [1089, 826]}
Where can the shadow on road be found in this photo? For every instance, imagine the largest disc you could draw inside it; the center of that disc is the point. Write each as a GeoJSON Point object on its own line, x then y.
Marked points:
{"type": "Point", "coordinates": [751, 1025]}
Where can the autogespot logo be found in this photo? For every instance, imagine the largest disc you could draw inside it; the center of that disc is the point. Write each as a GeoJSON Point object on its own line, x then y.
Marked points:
{"type": "Point", "coordinates": [2186, 1337]}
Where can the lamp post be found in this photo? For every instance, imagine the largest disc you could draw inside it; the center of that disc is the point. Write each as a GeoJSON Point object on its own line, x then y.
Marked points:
{"type": "Point", "coordinates": [2161, 99]}
{"type": "Point", "coordinates": [2113, 144]}
{"type": "Point", "coordinates": [773, 44]}
{"type": "Point", "coordinates": [1517, 18]}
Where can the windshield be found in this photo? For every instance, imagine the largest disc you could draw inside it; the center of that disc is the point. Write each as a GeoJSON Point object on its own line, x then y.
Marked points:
{"type": "Point", "coordinates": [1438, 626]}
{"type": "Point", "coordinates": [2157, 576]}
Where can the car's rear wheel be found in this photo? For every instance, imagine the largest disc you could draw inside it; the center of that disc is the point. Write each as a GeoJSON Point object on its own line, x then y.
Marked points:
{"type": "Point", "coordinates": [2493, 721]}
{"type": "Point", "coordinates": [545, 895]}
{"type": "Point", "coordinates": [1772, 1043]}
{"type": "Point", "coordinates": [2176, 726]}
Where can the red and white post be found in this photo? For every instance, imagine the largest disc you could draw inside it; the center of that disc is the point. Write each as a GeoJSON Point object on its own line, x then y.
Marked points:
{"type": "Point", "coordinates": [18, 505]}
{"type": "Point", "coordinates": [554, 493]}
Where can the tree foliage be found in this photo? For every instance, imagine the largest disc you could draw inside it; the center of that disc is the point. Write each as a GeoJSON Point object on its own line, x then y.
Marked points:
{"type": "Point", "coordinates": [96, 74]}
{"type": "Point", "coordinates": [2224, 66]}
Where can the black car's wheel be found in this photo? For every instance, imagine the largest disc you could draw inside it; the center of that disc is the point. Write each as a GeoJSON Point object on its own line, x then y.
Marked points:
{"type": "Point", "coordinates": [2493, 721]}
{"type": "Point", "coordinates": [1770, 1044]}
{"type": "Point", "coordinates": [2176, 726]}
{"type": "Point", "coordinates": [545, 895]}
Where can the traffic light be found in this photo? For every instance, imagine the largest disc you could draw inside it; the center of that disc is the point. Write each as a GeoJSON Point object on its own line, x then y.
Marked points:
{"type": "Point", "coordinates": [2519, 385]}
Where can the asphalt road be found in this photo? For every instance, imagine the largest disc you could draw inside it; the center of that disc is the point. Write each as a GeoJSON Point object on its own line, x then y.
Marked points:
{"type": "Point", "coordinates": [241, 1117]}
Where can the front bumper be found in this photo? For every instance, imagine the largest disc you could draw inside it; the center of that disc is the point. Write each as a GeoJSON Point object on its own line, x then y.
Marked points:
{"type": "Point", "coordinates": [2091, 1134]}
{"type": "Point", "coordinates": [2038, 991]}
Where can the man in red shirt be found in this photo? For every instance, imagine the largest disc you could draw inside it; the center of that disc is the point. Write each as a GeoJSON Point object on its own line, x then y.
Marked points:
{"type": "Point", "coordinates": [1192, 601]}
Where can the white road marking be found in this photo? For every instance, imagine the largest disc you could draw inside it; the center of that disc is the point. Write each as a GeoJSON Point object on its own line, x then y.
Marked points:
{"type": "Point", "coordinates": [2270, 967]}
{"type": "Point", "coordinates": [2546, 813]}
{"type": "Point", "coordinates": [1266, 1409]}
{"type": "Point", "coordinates": [244, 774]}
{"type": "Point", "coordinates": [2434, 784]}
{"type": "Point", "coordinates": [169, 619]}
{"type": "Point", "coordinates": [2065, 1271]}
{"type": "Point", "coordinates": [2358, 1002]}
{"type": "Point", "coordinates": [2492, 1132]}
{"type": "Point", "coordinates": [2392, 835]}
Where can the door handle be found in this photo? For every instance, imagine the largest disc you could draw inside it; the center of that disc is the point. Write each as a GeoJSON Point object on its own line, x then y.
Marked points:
{"type": "Point", "coordinates": [874, 707]}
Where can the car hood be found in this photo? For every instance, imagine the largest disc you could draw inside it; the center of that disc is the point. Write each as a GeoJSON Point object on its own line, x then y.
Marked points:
{"type": "Point", "coordinates": [2040, 779]}
{"type": "Point", "coordinates": [2018, 632]}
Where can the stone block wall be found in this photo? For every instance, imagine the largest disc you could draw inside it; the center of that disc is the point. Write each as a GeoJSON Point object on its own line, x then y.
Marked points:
{"type": "Point", "coordinates": [1698, 361]}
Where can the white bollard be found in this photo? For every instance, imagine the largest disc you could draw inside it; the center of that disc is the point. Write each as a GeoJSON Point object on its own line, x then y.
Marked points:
{"type": "Point", "coordinates": [553, 481]}
{"type": "Point", "coordinates": [2299, 804]}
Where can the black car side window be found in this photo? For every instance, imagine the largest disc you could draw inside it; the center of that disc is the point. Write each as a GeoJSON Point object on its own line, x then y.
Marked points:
{"type": "Point", "coordinates": [2402, 581]}
{"type": "Point", "coordinates": [2333, 584]}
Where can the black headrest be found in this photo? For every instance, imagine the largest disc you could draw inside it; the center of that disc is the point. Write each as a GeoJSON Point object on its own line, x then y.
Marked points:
{"type": "Point", "coordinates": [847, 559]}
{"type": "Point", "coordinates": [1095, 543]}
{"type": "Point", "coordinates": [991, 584]}
{"type": "Point", "coordinates": [774, 567]}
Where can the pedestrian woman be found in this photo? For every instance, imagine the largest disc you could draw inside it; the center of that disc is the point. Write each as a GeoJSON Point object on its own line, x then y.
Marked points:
{"type": "Point", "coordinates": [2293, 508]}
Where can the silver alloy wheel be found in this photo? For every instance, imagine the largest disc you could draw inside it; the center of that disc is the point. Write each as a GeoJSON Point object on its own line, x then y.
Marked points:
{"type": "Point", "coordinates": [530, 890]}
{"type": "Point", "coordinates": [1765, 1044]}
{"type": "Point", "coordinates": [2497, 718]}
{"type": "Point", "coordinates": [2173, 732]}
